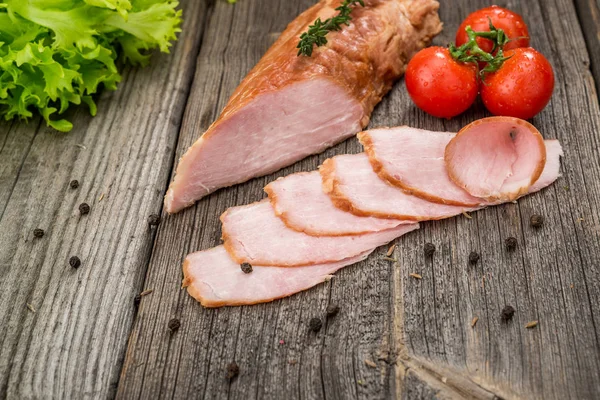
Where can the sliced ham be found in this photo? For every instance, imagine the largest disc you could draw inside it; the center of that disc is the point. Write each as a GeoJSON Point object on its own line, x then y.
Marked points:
{"type": "Point", "coordinates": [299, 200]}
{"type": "Point", "coordinates": [496, 158]}
{"type": "Point", "coordinates": [214, 279]}
{"type": "Point", "coordinates": [354, 186]}
{"type": "Point", "coordinates": [254, 234]}
{"type": "Point", "coordinates": [413, 160]}
{"type": "Point", "coordinates": [551, 170]}
{"type": "Point", "coordinates": [289, 107]}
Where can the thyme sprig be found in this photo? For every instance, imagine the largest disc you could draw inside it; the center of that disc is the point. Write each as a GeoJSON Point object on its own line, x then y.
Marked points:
{"type": "Point", "coordinates": [471, 52]}
{"type": "Point", "coordinates": [316, 33]}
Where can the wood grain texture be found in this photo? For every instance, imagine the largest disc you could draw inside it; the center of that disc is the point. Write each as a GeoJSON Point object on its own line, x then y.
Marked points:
{"type": "Point", "coordinates": [588, 12]}
{"type": "Point", "coordinates": [64, 330]}
{"type": "Point", "coordinates": [553, 276]}
{"type": "Point", "coordinates": [192, 362]}
{"type": "Point", "coordinates": [395, 336]}
{"type": "Point", "coordinates": [15, 143]}
{"type": "Point", "coordinates": [417, 333]}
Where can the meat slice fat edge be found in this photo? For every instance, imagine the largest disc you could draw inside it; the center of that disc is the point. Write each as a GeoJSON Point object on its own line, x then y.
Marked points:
{"type": "Point", "coordinates": [214, 279]}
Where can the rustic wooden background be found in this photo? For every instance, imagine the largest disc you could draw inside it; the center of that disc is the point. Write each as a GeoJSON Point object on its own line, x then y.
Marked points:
{"type": "Point", "coordinates": [68, 333]}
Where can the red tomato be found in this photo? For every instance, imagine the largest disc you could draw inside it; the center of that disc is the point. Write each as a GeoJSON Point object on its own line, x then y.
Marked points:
{"type": "Point", "coordinates": [511, 22]}
{"type": "Point", "coordinates": [522, 87]}
{"type": "Point", "coordinates": [439, 85]}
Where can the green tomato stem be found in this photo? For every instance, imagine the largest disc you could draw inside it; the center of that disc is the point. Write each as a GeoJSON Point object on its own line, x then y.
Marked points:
{"type": "Point", "coordinates": [470, 52]}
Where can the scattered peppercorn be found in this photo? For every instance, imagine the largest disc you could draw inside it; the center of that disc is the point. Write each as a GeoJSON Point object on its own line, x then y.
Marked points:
{"type": "Point", "coordinates": [154, 220]}
{"type": "Point", "coordinates": [429, 249]}
{"type": "Point", "coordinates": [332, 310]}
{"type": "Point", "coordinates": [174, 325]}
{"type": "Point", "coordinates": [137, 299]}
{"type": "Point", "coordinates": [315, 324]}
{"type": "Point", "coordinates": [536, 220]}
{"type": "Point", "coordinates": [247, 268]}
{"type": "Point", "coordinates": [84, 208]}
{"type": "Point", "coordinates": [38, 233]}
{"type": "Point", "coordinates": [507, 313]}
{"type": "Point", "coordinates": [75, 262]}
{"type": "Point", "coordinates": [74, 184]}
{"type": "Point", "coordinates": [473, 258]}
{"type": "Point", "coordinates": [510, 243]}
{"type": "Point", "coordinates": [232, 370]}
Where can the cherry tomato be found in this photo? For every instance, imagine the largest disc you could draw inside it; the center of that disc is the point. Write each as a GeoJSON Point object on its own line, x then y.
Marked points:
{"type": "Point", "coordinates": [522, 87]}
{"type": "Point", "coordinates": [511, 22]}
{"type": "Point", "coordinates": [439, 85]}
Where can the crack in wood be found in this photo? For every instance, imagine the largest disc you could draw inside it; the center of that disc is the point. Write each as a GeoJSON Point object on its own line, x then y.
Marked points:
{"type": "Point", "coordinates": [444, 382]}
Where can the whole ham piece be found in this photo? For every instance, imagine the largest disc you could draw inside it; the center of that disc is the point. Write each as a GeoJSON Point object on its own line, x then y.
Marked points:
{"type": "Point", "coordinates": [290, 106]}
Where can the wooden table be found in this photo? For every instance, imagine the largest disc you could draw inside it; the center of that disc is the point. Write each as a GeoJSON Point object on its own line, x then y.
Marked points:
{"type": "Point", "coordinates": [77, 333]}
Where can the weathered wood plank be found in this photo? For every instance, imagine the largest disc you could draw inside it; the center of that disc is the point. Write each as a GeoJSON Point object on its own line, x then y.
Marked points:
{"type": "Point", "coordinates": [192, 362]}
{"type": "Point", "coordinates": [553, 275]}
{"type": "Point", "coordinates": [15, 143]}
{"type": "Point", "coordinates": [64, 331]}
{"type": "Point", "coordinates": [588, 12]}
{"type": "Point", "coordinates": [423, 327]}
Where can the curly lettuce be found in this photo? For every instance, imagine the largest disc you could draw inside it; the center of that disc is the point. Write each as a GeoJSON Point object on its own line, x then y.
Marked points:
{"type": "Point", "coordinates": [56, 53]}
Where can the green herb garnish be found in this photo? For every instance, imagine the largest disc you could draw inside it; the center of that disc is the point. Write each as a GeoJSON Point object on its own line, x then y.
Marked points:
{"type": "Point", "coordinates": [316, 33]}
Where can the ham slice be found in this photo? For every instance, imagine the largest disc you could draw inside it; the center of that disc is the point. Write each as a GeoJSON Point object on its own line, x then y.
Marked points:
{"type": "Point", "coordinates": [289, 107]}
{"type": "Point", "coordinates": [354, 186]}
{"type": "Point", "coordinates": [413, 160]}
{"type": "Point", "coordinates": [299, 200]}
{"type": "Point", "coordinates": [551, 170]}
{"type": "Point", "coordinates": [214, 279]}
{"type": "Point", "coordinates": [255, 235]}
{"type": "Point", "coordinates": [496, 158]}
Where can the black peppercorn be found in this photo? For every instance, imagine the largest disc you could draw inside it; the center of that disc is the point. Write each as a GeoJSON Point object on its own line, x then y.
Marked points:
{"type": "Point", "coordinates": [473, 258]}
{"type": "Point", "coordinates": [510, 243]}
{"type": "Point", "coordinates": [75, 262]}
{"type": "Point", "coordinates": [315, 324]}
{"type": "Point", "coordinates": [154, 219]}
{"type": "Point", "coordinates": [429, 249]}
{"type": "Point", "coordinates": [174, 325]}
{"type": "Point", "coordinates": [536, 221]}
{"type": "Point", "coordinates": [74, 184]}
{"type": "Point", "coordinates": [38, 233]}
{"type": "Point", "coordinates": [247, 268]}
{"type": "Point", "coordinates": [232, 370]}
{"type": "Point", "coordinates": [84, 208]}
{"type": "Point", "coordinates": [332, 310]}
{"type": "Point", "coordinates": [507, 313]}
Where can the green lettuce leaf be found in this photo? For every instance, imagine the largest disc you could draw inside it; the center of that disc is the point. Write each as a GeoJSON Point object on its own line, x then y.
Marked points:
{"type": "Point", "coordinates": [121, 6]}
{"type": "Point", "coordinates": [58, 53]}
